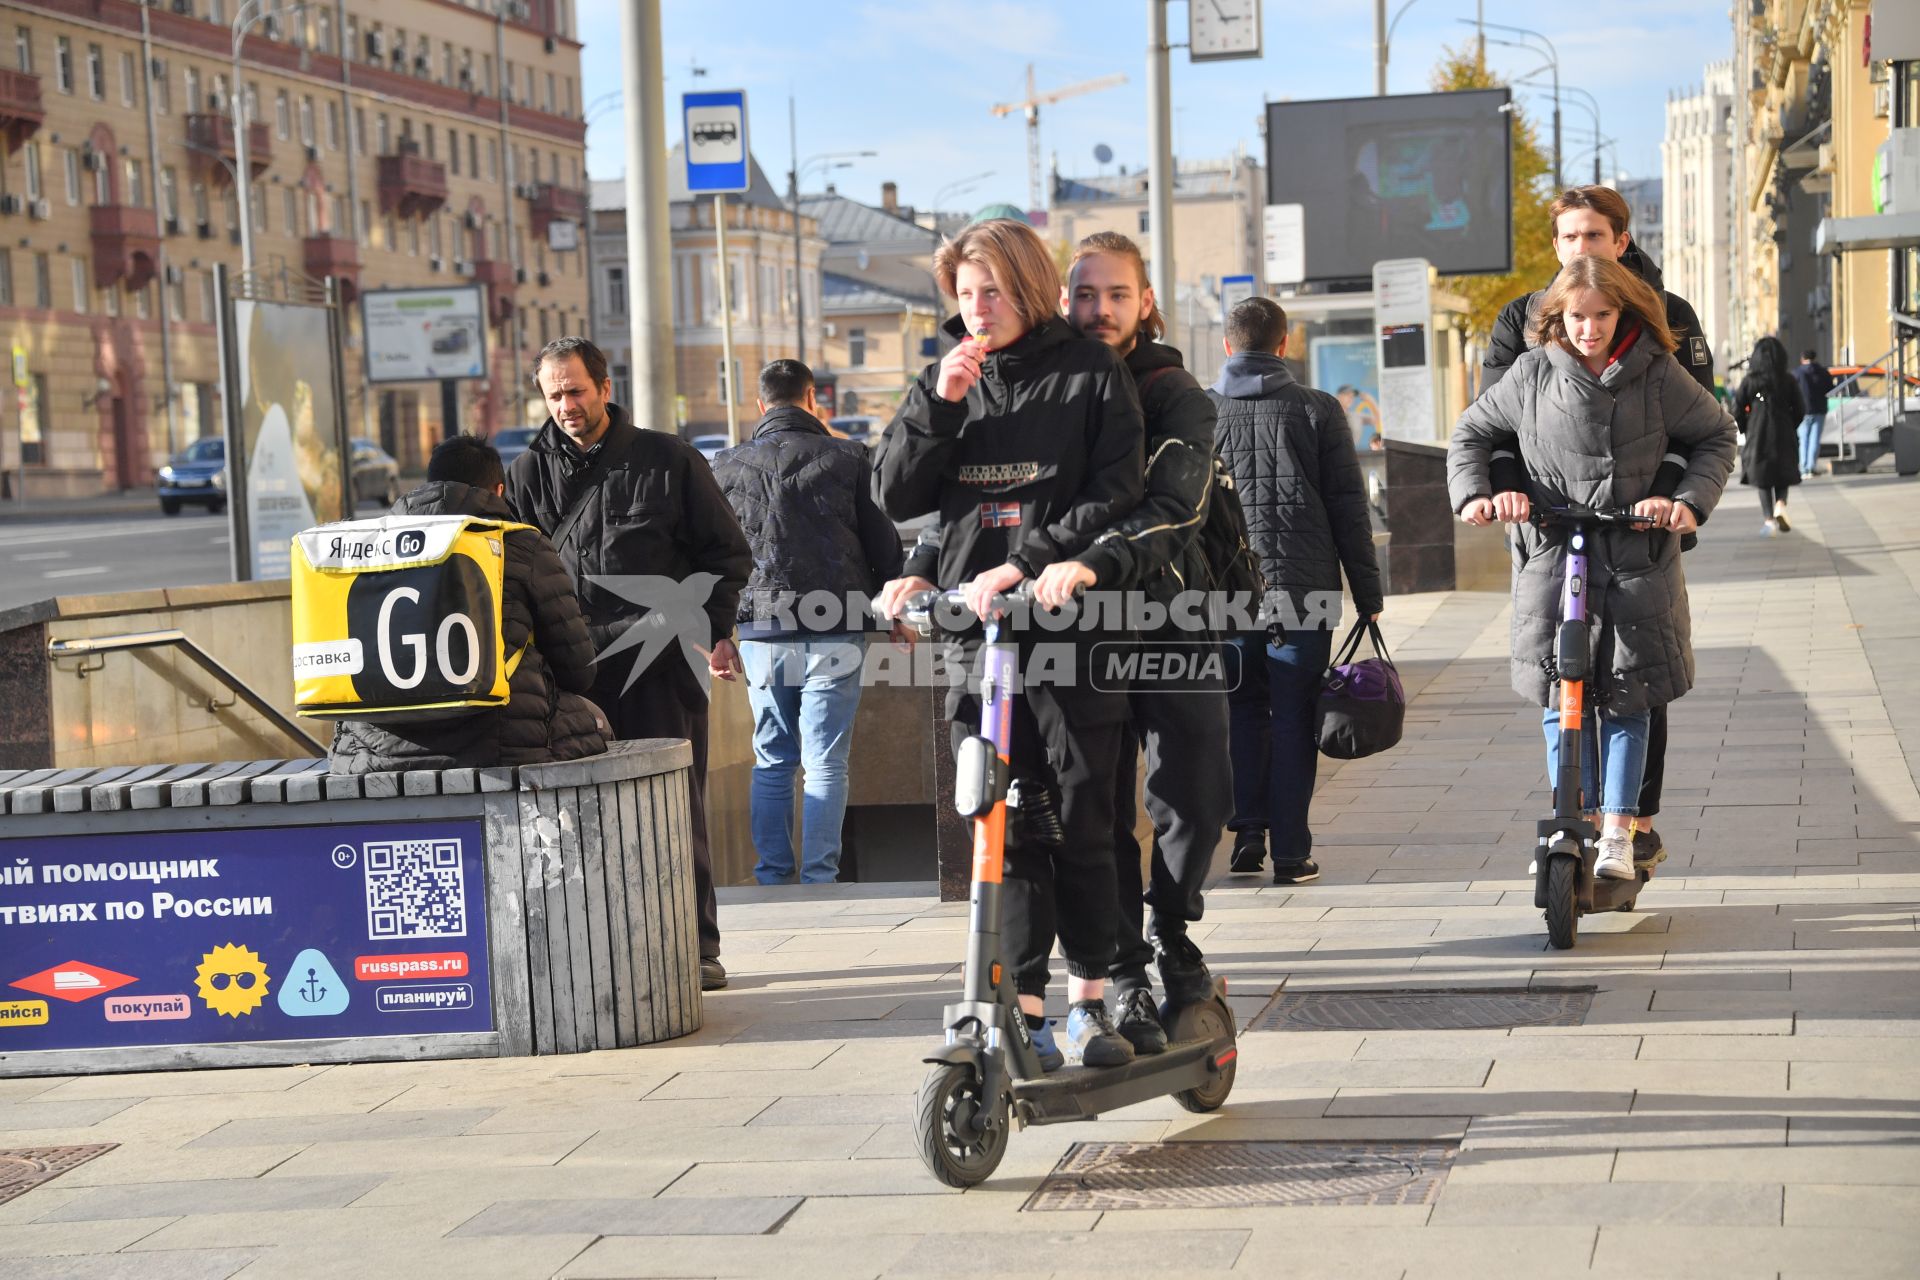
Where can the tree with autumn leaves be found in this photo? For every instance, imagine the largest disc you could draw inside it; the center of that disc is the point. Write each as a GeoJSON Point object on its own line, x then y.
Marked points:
{"type": "Point", "coordinates": [1534, 263]}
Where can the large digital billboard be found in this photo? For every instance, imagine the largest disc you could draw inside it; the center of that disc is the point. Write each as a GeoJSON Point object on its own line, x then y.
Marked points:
{"type": "Point", "coordinates": [1411, 176]}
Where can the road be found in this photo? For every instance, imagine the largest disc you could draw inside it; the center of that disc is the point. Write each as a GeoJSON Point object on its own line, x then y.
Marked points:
{"type": "Point", "coordinates": [92, 557]}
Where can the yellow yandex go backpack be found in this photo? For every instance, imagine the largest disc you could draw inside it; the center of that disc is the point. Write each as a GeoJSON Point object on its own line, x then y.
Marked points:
{"type": "Point", "coordinates": [399, 618]}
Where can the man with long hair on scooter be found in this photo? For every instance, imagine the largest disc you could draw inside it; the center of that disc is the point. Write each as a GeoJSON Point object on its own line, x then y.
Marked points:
{"type": "Point", "coordinates": [1026, 440]}
{"type": "Point", "coordinates": [1593, 409]}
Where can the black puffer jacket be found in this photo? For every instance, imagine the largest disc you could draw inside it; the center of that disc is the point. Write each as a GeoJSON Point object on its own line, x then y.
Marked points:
{"type": "Point", "coordinates": [1769, 413]}
{"type": "Point", "coordinates": [1156, 548]}
{"type": "Point", "coordinates": [545, 717]}
{"type": "Point", "coordinates": [1513, 328]}
{"type": "Point", "coordinates": [649, 508]}
{"type": "Point", "coordinates": [805, 501]}
{"type": "Point", "coordinates": [1292, 457]}
{"type": "Point", "coordinates": [1048, 441]}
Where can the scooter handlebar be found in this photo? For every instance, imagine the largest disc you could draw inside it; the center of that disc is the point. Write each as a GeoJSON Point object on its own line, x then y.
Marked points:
{"type": "Point", "coordinates": [925, 611]}
{"type": "Point", "coordinates": [1573, 515]}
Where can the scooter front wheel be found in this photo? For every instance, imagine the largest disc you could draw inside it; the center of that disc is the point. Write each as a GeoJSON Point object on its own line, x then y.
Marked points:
{"type": "Point", "coordinates": [1563, 902]}
{"type": "Point", "coordinates": [962, 1132]}
{"type": "Point", "coordinates": [1208, 1020]}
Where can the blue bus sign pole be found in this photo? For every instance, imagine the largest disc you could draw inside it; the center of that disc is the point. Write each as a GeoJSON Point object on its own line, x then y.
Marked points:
{"type": "Point", "coordinates": [717, 164]}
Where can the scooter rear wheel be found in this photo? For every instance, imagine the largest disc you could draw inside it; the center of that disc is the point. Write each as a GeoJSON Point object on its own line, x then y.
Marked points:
{"type": "Point", "coordinates": [1208, 1020]}
{"type": "Point", "coordinates": [953, 1149]}
{"type": "Point", "coordinates": [1563, 905]}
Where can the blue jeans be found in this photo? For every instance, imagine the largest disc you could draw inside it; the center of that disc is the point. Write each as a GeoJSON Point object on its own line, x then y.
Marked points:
{"type": "Point", "coordinates": [1270, 728]}
{"type": "Point", "coordinates": [803, 694]}
{"type": "Point", "coordinates": [1810, 428]}
{"type": "Point", "coordinates": [1621, 745]}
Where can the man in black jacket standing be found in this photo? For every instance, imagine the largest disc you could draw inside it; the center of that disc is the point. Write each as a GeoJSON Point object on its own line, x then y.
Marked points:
{"type": "Point", "coordinates": [1597, 222]}
{"type": "Point", "coordinates": [821, 547]}
{"type": "Point", "coordinates": [654, 551]}
{"type": "Point", "coordinates": [1182, 722]}
{"type": "Point", "coordinates": [1293, 461]}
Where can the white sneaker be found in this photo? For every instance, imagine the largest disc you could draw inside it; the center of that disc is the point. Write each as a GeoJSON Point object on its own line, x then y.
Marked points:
{"type": "Point", "coordinates": [1616, 855]}
{"type": "Point", "coordinates": [1770, 527]}
{"type": "Point", "coordinates": [1780, 517]}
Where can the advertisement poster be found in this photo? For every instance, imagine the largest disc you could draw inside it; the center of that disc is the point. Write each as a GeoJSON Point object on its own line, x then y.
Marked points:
{"type": "Point", "coordinates": [424, 335]}
{"type": "Point", "coordinates": [1348, 368]}
{"type": "Point", "coordinates": [291, 427]}
{"type": "Point", "coordinates": [217, 937]}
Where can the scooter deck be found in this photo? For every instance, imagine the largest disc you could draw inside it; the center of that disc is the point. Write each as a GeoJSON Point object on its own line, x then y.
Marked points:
{"type": "Point", "coordinates": [1083, 1093]}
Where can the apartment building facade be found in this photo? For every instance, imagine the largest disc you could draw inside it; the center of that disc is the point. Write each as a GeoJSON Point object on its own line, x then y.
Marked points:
{"type": "Point", "coordinates": [1696, 158]}
{"type": "Point", "coordinates": [408, 144]}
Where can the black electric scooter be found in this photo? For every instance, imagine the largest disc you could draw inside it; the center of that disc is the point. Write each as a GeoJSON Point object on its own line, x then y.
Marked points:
{"type": "Point", "coordinates": [1564, 885]}
{"type": "Point", "coordinates": [987, 1076]}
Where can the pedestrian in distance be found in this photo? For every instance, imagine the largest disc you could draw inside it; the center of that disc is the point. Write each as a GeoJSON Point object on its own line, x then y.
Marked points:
{"type": "Point", "coordinates": [805, 501]}
{"type": "Point", "coordinates": [1769, 411]}
{"type": "Point", "coordinates": [1182, 723]}
{"type": "Point", "coordinates": [1592, 409]}
{"type": "Point", "coordinates": [1597, 222]}
{"type": "Point", "coordinates": [1815, 383]}
{"type": "Point", "coordinates": [1026, 440]}
{"type": "Point", "coordinates": [546, 716]}
{"type": "Point", "coordinates": [1292, 456]}
{"type": "Point", "coordinates": [637, 514]}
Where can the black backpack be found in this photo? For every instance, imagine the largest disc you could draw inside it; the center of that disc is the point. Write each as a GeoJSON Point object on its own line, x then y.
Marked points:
{"type": "Point", "coordinates": [1231, 564]}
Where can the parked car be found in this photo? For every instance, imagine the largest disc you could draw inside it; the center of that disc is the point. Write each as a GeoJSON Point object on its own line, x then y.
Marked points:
{"type": "Point", "coordinates": [709, 446]}
{"type": "Point", "coordinates": [196, 475]}
{"type": "Point", "coordinates": [860, 428]}
{"type": "Point", "coordinates": [511, 442]}
{"type": "Point", "coordinates": [376, 476]}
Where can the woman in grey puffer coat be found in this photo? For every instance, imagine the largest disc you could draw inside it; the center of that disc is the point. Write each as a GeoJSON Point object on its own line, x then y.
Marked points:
{"type": "Point", "coordinates": [1592, 410]}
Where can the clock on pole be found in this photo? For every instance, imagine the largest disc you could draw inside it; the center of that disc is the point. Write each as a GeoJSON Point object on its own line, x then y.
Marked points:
{"type": "Point", "coordinates": [1222, 29]}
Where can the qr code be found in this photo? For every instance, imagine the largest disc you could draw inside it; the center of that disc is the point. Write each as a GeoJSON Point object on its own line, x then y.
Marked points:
{"type": "Point", "coordinates": [415, 889]}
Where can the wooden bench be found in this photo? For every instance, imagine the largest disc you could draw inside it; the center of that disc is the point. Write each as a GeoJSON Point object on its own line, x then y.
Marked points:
{"type": "Point", "coordinates": [588, 906]}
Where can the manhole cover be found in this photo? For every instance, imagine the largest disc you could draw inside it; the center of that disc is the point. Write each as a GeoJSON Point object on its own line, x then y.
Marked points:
{"type": "Point", "coordinates": [1428, 1009]}
{"type": "Point", "coordinates": [1238, 1175]}
{"type": "Point", "coordinates": [24, 1168]}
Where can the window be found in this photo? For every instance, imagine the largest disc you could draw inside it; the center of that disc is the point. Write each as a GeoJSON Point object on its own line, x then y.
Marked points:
{"type": "Point", "coordinates": [729, 387]}
{"type": "Point", "coordinates": [341, 224]}
{"type": "Point", "coordinates": [493, 159]}
{"type": "Point", "coordinates": [169, 195]}
{"type": "Point", "coordinates": [431, 153]}
{"type": "Point", "coordinates": [177, 299]}
{"type": "Point", "coordinates": [23, 49]}
{"type": "Point", "coordinates": [856, 347]}
{"type": "Point", "coordinates": [360, 130]}
{"type": "Point", "coordinates": [71, 159]}
{"type": "Point", "coordinates": [217, 13]}
{"type": "Point", "coordinates": [135, 196]}
{"type": "Point", "coordinates": [289, 210]}
{"type": "Point", "coordinates": [529, 98]}
{"type": "Point", "coordinates": [435, 243]}
{"type": "Point", "coordinates": [259, 203]}
{"type": "Point", "coordinates": [552, 96]}
{"type": "Point", "coordinates": [282, 115]}
{"type": "Point", "coordinates": [33, 171]}
{"type": "Point", "coordinates": [42, 282]}
{"type": "Point", "coordinates": [390, 232]}
{"type": "Point", "coordinates": [6, 277]}
{"type": "Point", "coordinates": [96, 73]}
{"type": "Point", "coordinates": [453, 151]}
{"type": "Point", "coordinates": [1145, 229]}
{"type": "Point", "coordinates": [194, 101]}
{"type": "Point", "coordinates": [333, 126]}
{"type": "Point", "coordinates": [162, 88]}
{"type": "Point", "coordinates": [143, 302]}
{"type": "Point", "coordinates": [325, 30]}
{"type": "Point", "coordinates": [383, 134]}
{"type": "Point", "coordinates": [620, 387]}
{"type": "Point", "coordinates": [63, 63]}
{"type": "Point", "coordinates": [446, 63]}
{"type": "Point", "coordinates": [413, 237]}
{"type": "Point", "coordinates": [365, 225]}
{"type": "Point", "coordinates": [127, 96]}
{"type": "Point", "coordinates": [102, 189]}
{"type": "Point", "coordinates": [566, 100]}
{"type": "Point", "coordinates": [306, 120]}
{"type": "Point", "coordinates": [33, 446]}
{"type": "Point", "coordinates": [506, 78]}
{"type": "Point", "coordinates": [617, 290]}
{"type": "Point", "coordinates": [486, 74]}
{"type": "Point", "coordinates": [473, 154]}
{"type": "Point", "coordinates": [77, 268]}
{"type": "Point", "coordinates": [209, 301]}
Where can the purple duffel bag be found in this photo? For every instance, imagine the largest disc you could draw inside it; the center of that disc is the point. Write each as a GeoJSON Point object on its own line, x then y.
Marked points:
{"type": "Point", "coordinates": [1362, 709]}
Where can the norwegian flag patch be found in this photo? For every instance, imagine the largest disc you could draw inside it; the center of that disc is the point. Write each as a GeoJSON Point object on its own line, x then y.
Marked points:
{"type": "Point", "coordinates": [999, 515]}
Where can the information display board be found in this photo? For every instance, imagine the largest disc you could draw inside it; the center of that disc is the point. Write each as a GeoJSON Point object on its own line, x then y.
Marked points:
{"type": "Point", "coordinates": [424, 335]}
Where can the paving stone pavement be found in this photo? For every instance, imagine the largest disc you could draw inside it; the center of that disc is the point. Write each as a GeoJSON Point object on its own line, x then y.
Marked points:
{"type": "Point", "coordinates": [1741, 1101]}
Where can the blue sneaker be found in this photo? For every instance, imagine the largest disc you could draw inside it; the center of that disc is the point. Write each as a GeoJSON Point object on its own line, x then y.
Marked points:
{"type": "Point", "coordinates": [1051, 1059]}
{"type": "Point", "coordinates": [1091, 1032]}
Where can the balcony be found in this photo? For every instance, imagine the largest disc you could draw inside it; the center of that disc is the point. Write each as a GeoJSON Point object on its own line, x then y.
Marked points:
{"type": "Point", "coordinates": [499, 278]}
{"type": "Point", "coordinates": [210, 134]}
{"type": "Point", "coordinates": [411, 185]}
{"type": "Point", "coordinates": [335, 256]}
{"type": "Point", "coordinates": [126, 245]}
{"type": "Point", "coordinates": [20, 110]}
{"type": "Point", "coordinates": [551, 203]}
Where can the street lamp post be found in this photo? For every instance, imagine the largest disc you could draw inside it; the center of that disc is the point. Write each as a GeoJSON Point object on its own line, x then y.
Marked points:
{"type": "Point", "coordinates": [960, 187]}
{"type": "Point", "coordinates": [833, 160]}
{"type": "Point", "coordinates": [243, 19]}
{"type": "Point", "coordinates": [1592, 106]}
{"type": "Point", "coordinates": [1553, 60]}
{"type": "Point", "coordinates": [1383, 38]}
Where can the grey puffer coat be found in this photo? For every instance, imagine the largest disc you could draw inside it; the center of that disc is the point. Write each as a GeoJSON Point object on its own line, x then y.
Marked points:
{"type": "Point", "coordinates": [1597, 441]}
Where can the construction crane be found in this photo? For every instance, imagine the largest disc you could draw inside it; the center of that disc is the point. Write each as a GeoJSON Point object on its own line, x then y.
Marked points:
{"type": "Point", "coordinates": [1031, 109]}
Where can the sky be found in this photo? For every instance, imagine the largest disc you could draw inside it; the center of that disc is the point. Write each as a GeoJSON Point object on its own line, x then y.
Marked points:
{"type": "Point", "coordinates": [915, 82]}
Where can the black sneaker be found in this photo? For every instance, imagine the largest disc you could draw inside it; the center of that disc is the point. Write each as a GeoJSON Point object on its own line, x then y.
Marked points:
{"type": "Point", "coordinates": [1183, 970]}
{"type": "Point", "coordinates": [1249, 851]}
{"type": "Point", "coordinates": [713, 974]}
{"type": "Point", "coordinates": [1648, 848]}
{"type": "Point", "coordinates": [1296, 872]}
{"type": "Point", "coordinates": [1090, 1030]}
{"type": "Point", "coordinates": [1140, 1021]}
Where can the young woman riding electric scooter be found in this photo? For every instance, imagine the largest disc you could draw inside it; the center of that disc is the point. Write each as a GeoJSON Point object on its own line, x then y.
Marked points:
{"type": "Point", "coordinates": [1591, 410]}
